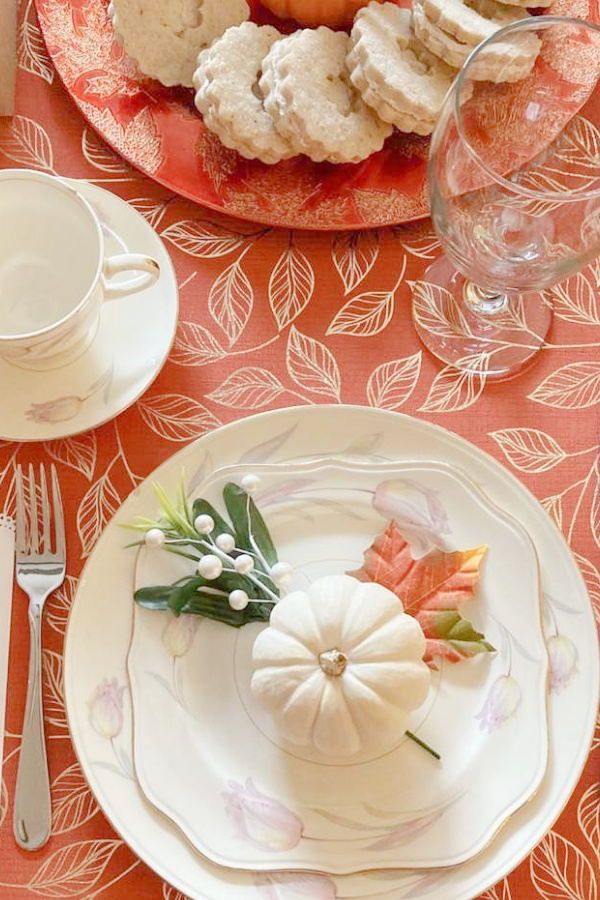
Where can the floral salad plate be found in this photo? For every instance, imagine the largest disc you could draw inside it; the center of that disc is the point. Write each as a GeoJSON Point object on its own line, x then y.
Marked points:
{"type": "Point", "coordinates": [247, 798]}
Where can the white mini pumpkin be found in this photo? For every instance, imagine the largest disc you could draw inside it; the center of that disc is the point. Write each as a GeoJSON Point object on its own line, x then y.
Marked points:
{"type": "Point", "coordinates": [340, 666]}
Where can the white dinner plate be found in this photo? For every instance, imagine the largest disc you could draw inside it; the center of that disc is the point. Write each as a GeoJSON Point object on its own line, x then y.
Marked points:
{"type": "Point", "coordinates": [99, 635]}
{"type": "Point", "coordinates": [249, 799]}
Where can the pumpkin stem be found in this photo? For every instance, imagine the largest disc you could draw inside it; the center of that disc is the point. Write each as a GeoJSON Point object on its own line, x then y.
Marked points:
{"type": "Point", "coordinates": [333, 662]}
{"type": "Point", "coordinates": [422, 744]}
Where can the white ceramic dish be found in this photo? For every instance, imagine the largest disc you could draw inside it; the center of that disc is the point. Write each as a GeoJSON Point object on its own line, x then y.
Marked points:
{"type": "Point", "coordinates": [99, 634]}
{"type": "Point", "coordinates": [388, 808]}
{"type": "Point", "coordinates": [131, 345]}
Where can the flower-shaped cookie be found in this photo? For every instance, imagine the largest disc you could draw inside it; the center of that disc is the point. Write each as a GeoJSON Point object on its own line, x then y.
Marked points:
{"type": "Point", "coordinates": [308, 93]}
{"type": "Point", "coordinates": [164, 37]}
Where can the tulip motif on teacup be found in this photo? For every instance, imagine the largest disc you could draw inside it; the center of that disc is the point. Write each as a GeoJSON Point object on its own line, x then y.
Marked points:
{"type": "Point", "coordinates": [261, 819]}
{"type": "Point", "coordinates": [63, 409]}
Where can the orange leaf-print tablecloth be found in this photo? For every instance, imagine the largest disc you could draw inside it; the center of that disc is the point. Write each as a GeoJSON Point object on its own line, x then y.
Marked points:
{"type": "Point", "coordinates": [302, 318]}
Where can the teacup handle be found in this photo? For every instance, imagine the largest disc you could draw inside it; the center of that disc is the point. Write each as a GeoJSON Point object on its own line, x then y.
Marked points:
{"type": "Point", "coordinates": [126, 262]}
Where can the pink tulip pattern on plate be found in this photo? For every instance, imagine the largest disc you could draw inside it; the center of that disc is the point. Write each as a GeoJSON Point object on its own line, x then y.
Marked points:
{"type": "Point", "coordinates": [295, 886]}
{"type": "Point", "coordinates": [107, 720]}
{"type": "Point", "coordinates": [502, 701]}
{"type": "Point", "coordinates": [260, 819]}
{"type": "Point", "coordinates": [106, 708]}
{"type": "Point", "coordinates": [563, 662]}
{"type": "Point", "coordinates": [417, 511]}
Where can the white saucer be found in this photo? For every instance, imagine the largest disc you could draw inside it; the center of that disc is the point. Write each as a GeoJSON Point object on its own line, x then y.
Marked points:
{"type": "Point", "coordinates": [129, 350]}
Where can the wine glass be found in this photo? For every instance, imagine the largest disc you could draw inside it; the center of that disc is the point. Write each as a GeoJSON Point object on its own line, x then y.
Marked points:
{"type": "Point", "coordinates": [514, 180]}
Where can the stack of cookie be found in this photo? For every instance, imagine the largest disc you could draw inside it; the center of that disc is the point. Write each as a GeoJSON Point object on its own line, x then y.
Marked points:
{"type": "Point", "coordinates": [296, 98]}
{"type": "Point", "coordinates": [328, 95]}
{"type": "Point", "coordinates": [335, 97]}
{"type": "Point", "coordinates": [451, 29]}
{"type": "Point", "coordinates": [394, 72]}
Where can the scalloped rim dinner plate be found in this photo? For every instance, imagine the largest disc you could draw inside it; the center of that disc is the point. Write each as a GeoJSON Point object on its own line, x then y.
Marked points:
{"type": "Point", "coordinates": [391, 807]}
{"type": "Point", "coordinates": [99, 633]}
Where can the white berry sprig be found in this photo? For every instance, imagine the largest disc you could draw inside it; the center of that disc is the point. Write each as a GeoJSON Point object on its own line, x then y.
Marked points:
{"type": "Point", "coordinates": [234, 561]}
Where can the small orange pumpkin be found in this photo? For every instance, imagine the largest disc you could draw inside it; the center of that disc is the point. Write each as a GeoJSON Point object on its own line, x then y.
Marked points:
{"type": "Point", "coordinates": [316, 12]}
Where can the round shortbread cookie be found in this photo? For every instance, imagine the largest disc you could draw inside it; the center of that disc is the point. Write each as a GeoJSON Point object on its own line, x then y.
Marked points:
{"type": "Point", "coordinates": [500, 62]}
{"type": "Point", "coordinates": [164, 37]}
{"type": "Point", "coordinates": [471, 21]}
{"type": "Point", "coordinates": [392, 69]}
{"type": "Point", "coordinates": [308, 93]}
{"type": "Point", "coordinates": [386, 111]}
{"type": "Point", "coordinates": [229, 98]}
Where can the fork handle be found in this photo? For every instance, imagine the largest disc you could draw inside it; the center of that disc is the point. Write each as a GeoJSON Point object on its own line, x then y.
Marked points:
{"type": "Point", "coordinates": [32, 812]}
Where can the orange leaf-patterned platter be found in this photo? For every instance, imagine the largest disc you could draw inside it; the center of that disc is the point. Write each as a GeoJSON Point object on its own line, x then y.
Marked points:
{"type": "Point", "coordinates": [158, 131]}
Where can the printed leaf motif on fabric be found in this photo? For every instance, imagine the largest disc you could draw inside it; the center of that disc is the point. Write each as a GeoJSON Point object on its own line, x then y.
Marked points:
{"type": "Point", "coordinates": [26, 142]}
{"type": "Point", "coordinates": [175, 417]}
{"type": "Point", "coordinates": [573, 386]}
{"type": "Point", "coordinates": [204, 240]}
{"type": "Point", "coordinates": [195, 345]}
{"type": "Point", "coordinates": [437, 310]}
{"type": "Point", "coordinates": [453, 389]}
{"type": "Point", "coordinates": [58, 605]}
{"type": "Point", "coordinates": [231, 299]}
{"type": "Point", "coordinates": [100, 156]}
{"type": "Point", "coordinates": [354, 255]}
{"type": "Point", "coordinates": [392, 383]}
{"type": "Point", "coordinates": [291, 285]}
{"type": "Point", "coordinates": [54, 700]}
{"type": "Point", "coordinates": [32, 55]}
{"type": "Point", "coordinates": [312, 365]}
{"type": "Point", "coordinates": [78, 453]}
{"type": "Point", "coordinates": [364, 315]}
{"type": "Point", "coordinates": [248, 388]}
{"type": "Point", "coordinates": [529, 449]}
{"type": "Point", "coordinates": [588, 817]}
{"type": "Point", "coordinates": [99, 504]}
{"type": "Point", "coordinates": [73, 870]}
{"type": "Point", "coordinates": [560, 870]}
{"type": "Point", "coordinates": [72, 801]}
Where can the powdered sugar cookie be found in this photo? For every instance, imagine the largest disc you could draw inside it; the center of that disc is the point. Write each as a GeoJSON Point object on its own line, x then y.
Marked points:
{"type": "Point", "coordinates": [393, 71]}
{"type": "Point", "coordinates": [165, 37]}
{"type": "Point", "coordinates": [228, 96]}
{"type": "Point", "coordinates": [308, 93]}
{"type": "Point", "coordinates": [504, 61]}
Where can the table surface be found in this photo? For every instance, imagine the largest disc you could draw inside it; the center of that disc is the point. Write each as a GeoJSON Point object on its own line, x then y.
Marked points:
{"type": "Point", "coordinates": [545, 426]}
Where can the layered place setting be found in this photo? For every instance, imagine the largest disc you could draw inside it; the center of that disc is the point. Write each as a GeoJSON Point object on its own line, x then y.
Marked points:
{"type": "Point", "coordinates": [327, 635]}
{"type": "Point", "coordinates": [288, 644]}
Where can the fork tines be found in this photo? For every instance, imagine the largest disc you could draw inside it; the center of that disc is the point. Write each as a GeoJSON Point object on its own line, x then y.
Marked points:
{"type": "Point", "coordinates": [35, 516]}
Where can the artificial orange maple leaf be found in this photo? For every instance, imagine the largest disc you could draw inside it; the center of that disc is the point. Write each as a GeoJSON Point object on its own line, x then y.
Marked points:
{"type": "Point", "coordinates": [430, 589]}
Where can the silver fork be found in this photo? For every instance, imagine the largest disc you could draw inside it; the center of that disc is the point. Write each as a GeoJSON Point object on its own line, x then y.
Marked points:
{"type": "Point", "coordinates": [40, 565]}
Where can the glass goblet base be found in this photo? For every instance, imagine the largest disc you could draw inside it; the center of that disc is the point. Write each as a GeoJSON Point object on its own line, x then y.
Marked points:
{"type": "Point", "coordinates": [495, 337]}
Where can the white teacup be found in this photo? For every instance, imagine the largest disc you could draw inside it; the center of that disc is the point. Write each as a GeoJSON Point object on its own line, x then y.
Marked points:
{"type": "Point", "coordinates": [54, 275]}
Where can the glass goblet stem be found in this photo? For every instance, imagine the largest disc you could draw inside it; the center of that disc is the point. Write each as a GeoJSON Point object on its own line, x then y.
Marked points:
{"type": "Point", "coordinates": [484, 302]}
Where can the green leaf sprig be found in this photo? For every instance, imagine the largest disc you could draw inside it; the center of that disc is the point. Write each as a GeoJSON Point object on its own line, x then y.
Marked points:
{"type": "Point", "coordinates": [175, 531]}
